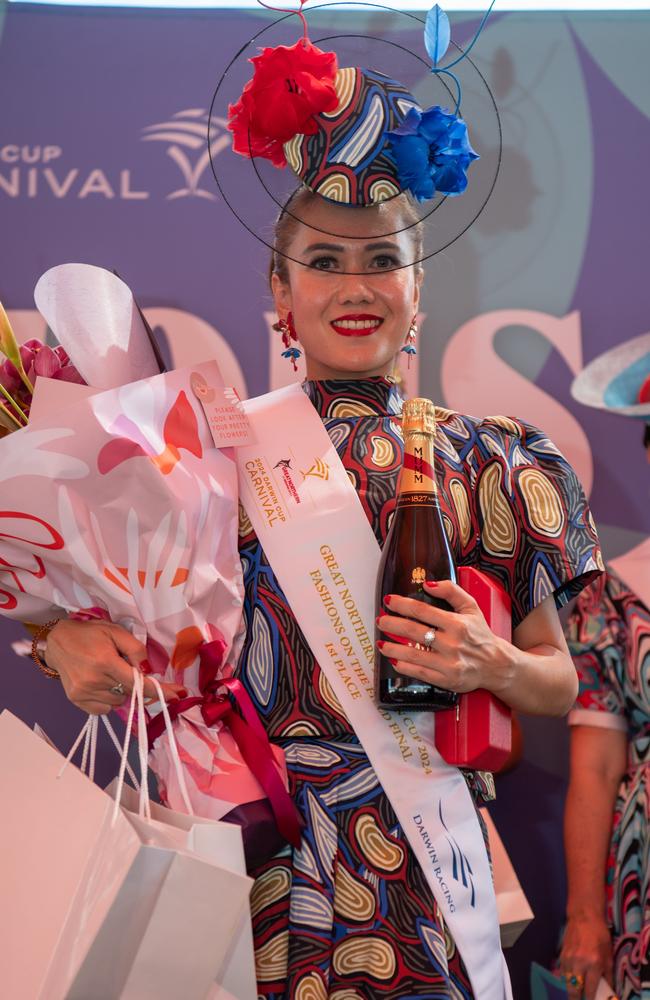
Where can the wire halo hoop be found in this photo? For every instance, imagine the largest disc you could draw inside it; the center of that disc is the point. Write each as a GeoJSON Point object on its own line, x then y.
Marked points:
{"type": "Point", "coordinates": [284, 207]}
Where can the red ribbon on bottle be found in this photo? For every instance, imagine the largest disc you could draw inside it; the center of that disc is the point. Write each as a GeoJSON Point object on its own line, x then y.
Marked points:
{"type": "Point", "coordinates": [420, 466]}
{"type": "Point", "coordinates": [246, 729]}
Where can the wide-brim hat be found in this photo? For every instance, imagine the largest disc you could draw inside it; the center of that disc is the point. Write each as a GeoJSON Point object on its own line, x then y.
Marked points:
{"type": "Point", "coordinates": [613, 381]}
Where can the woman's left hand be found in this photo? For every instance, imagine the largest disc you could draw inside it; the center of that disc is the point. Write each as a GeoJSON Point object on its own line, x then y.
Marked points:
{"type": "Point", "coordinates": [464, 655]}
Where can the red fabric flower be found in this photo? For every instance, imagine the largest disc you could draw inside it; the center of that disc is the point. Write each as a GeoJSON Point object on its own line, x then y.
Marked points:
{"type": "Point", "coordinates": [290, 85]}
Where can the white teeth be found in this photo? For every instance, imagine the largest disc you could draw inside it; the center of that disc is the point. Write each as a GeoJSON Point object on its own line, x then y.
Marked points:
{"type": "Point", "coordinates": [357, 324]}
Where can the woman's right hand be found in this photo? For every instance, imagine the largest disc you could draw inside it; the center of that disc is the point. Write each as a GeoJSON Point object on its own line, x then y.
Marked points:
{"type": "Point", "coordinates": [587, 952]}
{"type": "Point", "coordinates": [92, 657]}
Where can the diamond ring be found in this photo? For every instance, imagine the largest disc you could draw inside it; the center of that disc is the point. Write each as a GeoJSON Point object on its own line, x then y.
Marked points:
{"type": "Point", "coordinates": [575, 980]}
{"type": "Point", "coordinates": [429, 638]}
{"type": "Point", "coordinates": [118, 688]}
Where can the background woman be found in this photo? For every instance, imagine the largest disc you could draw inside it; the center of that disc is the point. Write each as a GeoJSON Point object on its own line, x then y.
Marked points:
{"type": "Point", "coordinates": [608, 907]}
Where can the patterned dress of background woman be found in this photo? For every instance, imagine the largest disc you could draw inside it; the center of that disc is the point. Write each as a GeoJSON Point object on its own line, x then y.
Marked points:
{"type": "Point", "coordinates": [350, 914]}
{"type": "Point", "coordinates": [609, 638]}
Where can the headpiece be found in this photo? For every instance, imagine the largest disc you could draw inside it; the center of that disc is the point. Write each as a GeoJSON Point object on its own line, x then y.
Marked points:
{"type": "Point", "coordinates": [618, 380]}
{"type": "Point", "coordinates": [357, 136]}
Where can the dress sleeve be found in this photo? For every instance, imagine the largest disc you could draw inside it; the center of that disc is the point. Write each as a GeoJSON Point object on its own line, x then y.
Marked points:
{"type": "Point", "coordinates": [595, 635]}
{"type": "Point", "coordinates": [537, 535]}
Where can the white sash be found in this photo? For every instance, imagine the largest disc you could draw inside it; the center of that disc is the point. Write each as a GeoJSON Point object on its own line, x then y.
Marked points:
{"type": "Point", "coordinates": [324, 554]}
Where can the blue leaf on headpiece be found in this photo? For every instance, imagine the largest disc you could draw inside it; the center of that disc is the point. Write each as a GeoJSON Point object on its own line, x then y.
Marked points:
{"type": "Point", "coordinates": [437, 34]}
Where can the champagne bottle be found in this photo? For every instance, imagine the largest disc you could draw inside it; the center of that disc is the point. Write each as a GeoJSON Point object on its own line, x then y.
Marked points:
{"type": "Point", "coordinates": [416, 550]}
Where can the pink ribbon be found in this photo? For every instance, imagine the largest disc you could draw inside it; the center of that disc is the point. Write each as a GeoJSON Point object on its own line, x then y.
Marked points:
{"type": "Point", "coordinates": [90, 615]}
{"type": "Point", "coordinates": [246, 729]}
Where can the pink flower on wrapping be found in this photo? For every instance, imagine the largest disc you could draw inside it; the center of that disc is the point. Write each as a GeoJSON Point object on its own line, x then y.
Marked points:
{"type": "Point", "coordinates": [38, 359]}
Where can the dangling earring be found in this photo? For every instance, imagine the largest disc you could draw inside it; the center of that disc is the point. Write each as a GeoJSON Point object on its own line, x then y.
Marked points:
{"type": "Point", "coordinates": [409, 347]}
{"type": "Point", "coordinates": [288, 331]}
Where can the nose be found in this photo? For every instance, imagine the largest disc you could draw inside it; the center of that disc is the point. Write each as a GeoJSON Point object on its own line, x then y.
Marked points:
{"type": "Point", "coordinates": [354, 289]}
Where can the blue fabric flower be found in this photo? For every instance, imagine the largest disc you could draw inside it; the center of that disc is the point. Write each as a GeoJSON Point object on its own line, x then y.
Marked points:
{"type": "Point", "coordinates": [432, 152]}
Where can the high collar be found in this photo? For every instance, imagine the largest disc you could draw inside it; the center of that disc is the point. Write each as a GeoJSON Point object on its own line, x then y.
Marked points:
{"type": "Point", "coordinates": [374, 396]}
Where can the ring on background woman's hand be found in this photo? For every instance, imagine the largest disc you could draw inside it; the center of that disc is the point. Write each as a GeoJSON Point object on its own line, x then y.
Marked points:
{"type": "Point", "coordinates": [118, 688]}
{"type": "Point", "coordinates": [575, 980]}
{"type": "Point", "coordinates": [429, 638]}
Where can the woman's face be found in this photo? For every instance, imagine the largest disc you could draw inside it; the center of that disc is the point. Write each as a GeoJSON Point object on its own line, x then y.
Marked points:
{"type": "Point", "coordinates": [349, 324]}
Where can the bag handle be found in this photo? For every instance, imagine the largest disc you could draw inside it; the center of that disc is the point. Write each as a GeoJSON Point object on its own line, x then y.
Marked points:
{"type": "Point", "coordinates": [88, 736]}
{"type": "Point", "coordinates": [137, 705]}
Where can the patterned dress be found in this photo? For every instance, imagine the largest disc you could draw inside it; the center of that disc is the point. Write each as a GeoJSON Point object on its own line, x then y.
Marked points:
{"type": "Point", "coordinates": [350, 915]}
{"type": "Point", "coordinates": [609, 638]}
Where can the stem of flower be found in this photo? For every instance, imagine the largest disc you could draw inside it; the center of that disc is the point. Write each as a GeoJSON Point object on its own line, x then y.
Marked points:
{"type": "Point", "coordinates": [9, 415]}
{"type": "Point", "coordinates": [21, 413]}
{"type": "Point", "coordinates": [459, 93]}
{"type": "Point", "coordinates": [25, 380]}
{"type": "Point", "coordinates": [288, 10]}
{"type": "Point", "coordinates": [474, 40]}
{"type": "Point", "coordinates": [9, 347]}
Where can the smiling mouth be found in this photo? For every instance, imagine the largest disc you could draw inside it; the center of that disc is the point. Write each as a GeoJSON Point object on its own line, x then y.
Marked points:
{"type": "Point", "coordinates": [356, 326]}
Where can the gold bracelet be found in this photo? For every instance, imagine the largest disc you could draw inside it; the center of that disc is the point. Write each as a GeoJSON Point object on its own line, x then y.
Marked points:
{"type": "Point", "coordinates": [40, 663]}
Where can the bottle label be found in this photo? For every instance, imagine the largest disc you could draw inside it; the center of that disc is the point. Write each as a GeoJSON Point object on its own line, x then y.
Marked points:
{"type": "Point", "coordinates": [417, 478]}
{"type": "Point", "coordinates": [417, 499]}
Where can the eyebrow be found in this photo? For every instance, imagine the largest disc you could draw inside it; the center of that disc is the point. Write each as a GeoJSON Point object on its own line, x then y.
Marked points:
{"type": "Point", "coordinates": [337, 248]}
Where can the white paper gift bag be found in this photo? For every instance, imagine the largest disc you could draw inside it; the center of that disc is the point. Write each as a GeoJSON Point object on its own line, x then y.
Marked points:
{"type": "Point", "coordinates": [222, 844]}
{"type": "Point", "coordinates": [102, 905]}
{"type": "Point", "coordinates": [513, 908]}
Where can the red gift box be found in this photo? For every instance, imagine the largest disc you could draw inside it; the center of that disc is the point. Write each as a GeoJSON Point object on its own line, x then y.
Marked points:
{"type": "Point", "coordinates": [477, 732]}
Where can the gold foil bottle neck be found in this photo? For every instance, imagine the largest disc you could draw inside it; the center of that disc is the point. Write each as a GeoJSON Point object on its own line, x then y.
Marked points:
{"type": "Point", "coordinates": [418, 416]}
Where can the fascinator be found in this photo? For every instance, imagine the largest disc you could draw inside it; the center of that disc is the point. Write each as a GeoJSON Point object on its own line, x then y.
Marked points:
{"type": "Point", "coordinates": [357, 136]}
{"type": "Point", "coordinates": [618, 380]}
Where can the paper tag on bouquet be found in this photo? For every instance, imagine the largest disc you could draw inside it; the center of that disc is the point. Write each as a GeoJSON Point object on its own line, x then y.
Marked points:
{"type": "Point", "coordinates": [224, 412]}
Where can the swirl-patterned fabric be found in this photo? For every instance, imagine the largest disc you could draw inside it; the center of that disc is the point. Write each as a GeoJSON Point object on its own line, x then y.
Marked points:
{"type": "Point", "coordinates": [350, 914]}
{"type": "Point", "coordinates": [349, 159]}
{"type": "Point", "coordinates": [609, 638]}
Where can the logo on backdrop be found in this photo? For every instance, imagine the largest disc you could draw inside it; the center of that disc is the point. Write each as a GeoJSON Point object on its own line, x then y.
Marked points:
{"type": "Point", "coordinates": [187, 133]}
{"type": "Point", "coordinates": [41, 171]}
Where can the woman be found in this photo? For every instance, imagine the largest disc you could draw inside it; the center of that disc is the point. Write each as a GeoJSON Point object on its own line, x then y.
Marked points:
{"type": "Point", "coordinates": [608, 907]}
{"type": "Point", "coordinates": [354, 917]}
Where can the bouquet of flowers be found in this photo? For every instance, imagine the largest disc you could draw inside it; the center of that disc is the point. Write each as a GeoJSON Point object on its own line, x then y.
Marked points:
{"type": "Point", "coordinates": [118, 504]}
{"type": "Point", "coordinates": [19, 370]}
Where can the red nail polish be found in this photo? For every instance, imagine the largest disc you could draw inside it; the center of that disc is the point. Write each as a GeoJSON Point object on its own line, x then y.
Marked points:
{"type": "Point", "coordinates": [145, 666]}
{"type": "Point", "coordinates": [387, 599]}
{"type": "Point", "coordinates": [380, 643]}
{"type": "Point", "coordinates": [393, 662]}
{"type": "Point", "coordinates": [377, 620]}
{"type": "Point", "coordinates": [432, 583]}
{"type": "Point", "coordinates": [182, 693]}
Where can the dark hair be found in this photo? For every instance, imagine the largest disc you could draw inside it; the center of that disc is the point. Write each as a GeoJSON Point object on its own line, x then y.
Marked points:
{"type": "Point", "coordinates": [287, 223]}
{"type": "Point", "coordinates": [646, 436]}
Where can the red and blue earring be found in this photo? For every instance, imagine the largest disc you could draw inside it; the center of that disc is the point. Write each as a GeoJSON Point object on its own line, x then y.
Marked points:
{"type": "Point", "coordinates": [288, 331]}
{"type": "Point", "coordinates": [409, 347]}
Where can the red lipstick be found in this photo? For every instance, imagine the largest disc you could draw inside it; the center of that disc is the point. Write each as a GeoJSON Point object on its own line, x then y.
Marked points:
{"type": "Point", "coordinates": [356, 324]}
